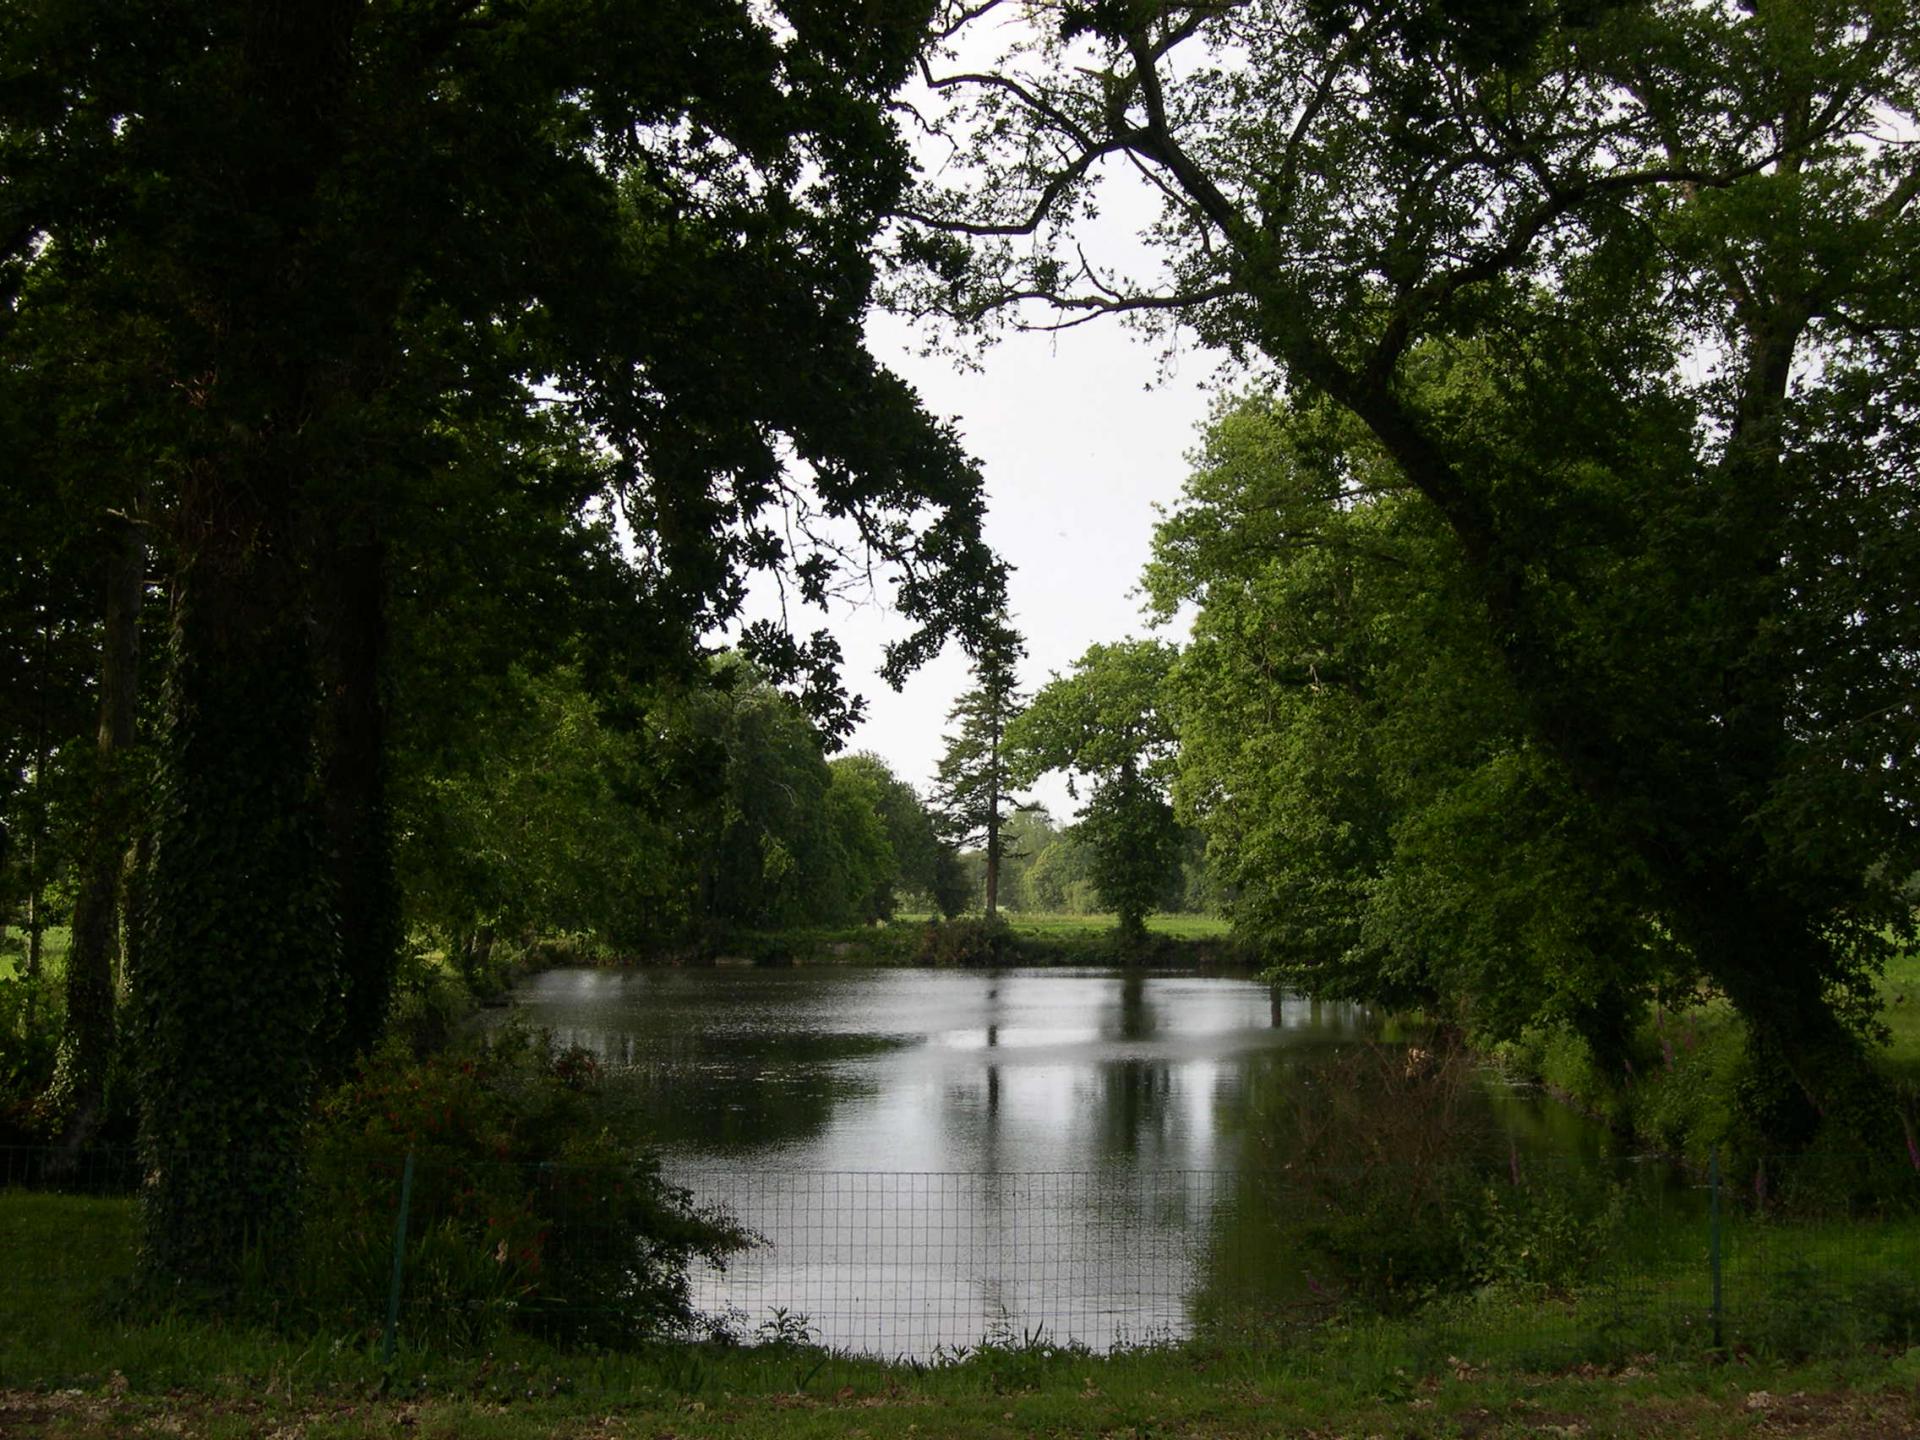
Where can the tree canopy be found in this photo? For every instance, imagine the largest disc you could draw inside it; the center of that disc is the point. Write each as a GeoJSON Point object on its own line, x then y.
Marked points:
{"type": "Point", "coordinates": [1679, 476]}
{"type": "Point", "coordinates": [606, 263]}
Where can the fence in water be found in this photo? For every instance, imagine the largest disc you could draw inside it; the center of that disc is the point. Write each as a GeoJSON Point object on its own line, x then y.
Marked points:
{"type": "Point", "coordinates": [1523, 1259]}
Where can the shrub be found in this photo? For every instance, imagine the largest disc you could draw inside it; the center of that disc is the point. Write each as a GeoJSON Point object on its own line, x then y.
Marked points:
{"type": "Point", "coordinates": [523, 1210]}
{"type": "Point", "coordinates": [967, 942]}
{"type": "Point", "coordinates": [1403, 1190]}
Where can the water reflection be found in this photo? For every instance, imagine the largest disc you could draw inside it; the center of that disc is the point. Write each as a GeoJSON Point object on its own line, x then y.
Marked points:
{"type": "Point", "coordinates": [950, 1148]}
{"type": "Point", "coordinates": [933, 1070]}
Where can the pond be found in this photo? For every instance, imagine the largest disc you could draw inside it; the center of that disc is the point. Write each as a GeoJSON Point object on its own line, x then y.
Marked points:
{"type": "Point", "coordinates": [935, 1157]}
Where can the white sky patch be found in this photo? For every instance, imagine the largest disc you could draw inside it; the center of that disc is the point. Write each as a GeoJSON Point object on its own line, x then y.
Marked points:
{"type": "Point", "coordinates": [1077, 443]}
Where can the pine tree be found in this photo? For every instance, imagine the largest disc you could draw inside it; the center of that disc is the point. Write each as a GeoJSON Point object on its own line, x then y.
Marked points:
{"type": "Point", "coordinates": [972, 793]}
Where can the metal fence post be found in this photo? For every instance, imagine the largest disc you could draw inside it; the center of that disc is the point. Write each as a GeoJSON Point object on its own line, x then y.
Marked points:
{"type": "Point", "coordinates": [1713, 1243]}
{"type": "Point", "coordinates": [399, 1261]}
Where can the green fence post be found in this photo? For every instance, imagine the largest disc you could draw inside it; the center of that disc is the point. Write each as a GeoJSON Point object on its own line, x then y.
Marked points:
{"type": "Point", "coordinates": [399, 1261]}
{"type": "Point", "coordinates": [1713, 1243]}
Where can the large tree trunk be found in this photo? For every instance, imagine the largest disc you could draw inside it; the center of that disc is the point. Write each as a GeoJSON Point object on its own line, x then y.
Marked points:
{"type": "Point", "coordinates": [237, 964]}
{"type": "Point", "coordinates": [86, 1047]}
{"type": "Point", "coordinates": [237, 957]}
{"type": "Point", "coordinates": [350, 639]}
{"type": "Point", "coordinates": [1808, 1073]}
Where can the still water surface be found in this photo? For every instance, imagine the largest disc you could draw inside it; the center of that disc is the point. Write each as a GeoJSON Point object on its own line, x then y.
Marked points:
{"type": "Point", "coordinates": [937, 1070]}
{"type": "Point", "coordinates": [935, 1156]}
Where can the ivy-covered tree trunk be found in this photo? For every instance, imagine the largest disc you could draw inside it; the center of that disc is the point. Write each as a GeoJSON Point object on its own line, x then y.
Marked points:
{"type": "Point", "coordinates": [237, 968]}
{"type": "Point", "coordinates": [350, 641]}
{"type": "Point", "coordinates": [238, 956]}
{"type": "Point", "coordinates": [86, 1047]}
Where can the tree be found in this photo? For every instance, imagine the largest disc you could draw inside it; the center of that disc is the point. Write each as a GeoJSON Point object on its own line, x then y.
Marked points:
{"type": "Point", "coordinates": [547, 821]}
{"type": "Point", "coordinates": [1105, 723]}
{"type": "Point", "coordinates": [973, 788]}
{"type": "Point", "coordinates": [346, 232]}
{"type": "Point", "coordinates": [952, 890]}
{"type": "Point", "coordinates": [1028, 831]}
{"type": "Point", "coordinates": [1060, 879]}
{"type": "Point", "coordinates": [771, 835]}
{"type": "Point", "coordinates": [1356, 755]}
{"type": "Point", "coordinates": [1679, 487]}
{"type": "Point", "coordinates": [861, 868]}
{"type": "Point", "coordinates": [914, 847]}
{"type": "Point", "coordinates": [70, 635]}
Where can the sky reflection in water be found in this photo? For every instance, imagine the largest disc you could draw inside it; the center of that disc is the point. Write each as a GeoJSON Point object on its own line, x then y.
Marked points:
{"type": "Point", "coordinates": [975, 1071]}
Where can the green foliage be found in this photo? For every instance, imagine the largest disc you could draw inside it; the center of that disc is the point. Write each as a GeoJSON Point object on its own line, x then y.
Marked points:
{"type": "Point", "coordinates": [280, 271]}
{"type": "Point", "coordinates": [951, 889]}
{"type": "Point", "coordinates": [1399, 1191]}
{"type": "Point", "coordinates": [766, 840]}
{"type": "Point", "coordinates": [1059, 877]}
{"type": "Point", "coordinates": [860, 867]}
{"type": "Point", "coordinates": [639, 820]}
{"type": "Point", "coordinates": [29, 1041]}
{"type": "Point", "coordinates": [1105, 723]}
{"type": "Point", "coordinates": [1616, 295]}
{"type": "Point", "coordinates": [1358, 760]}
{"type": "Point", "coordinates": [524, 1212]}
{"type": "Point", "coordinates": [863, 784]}
{"type": "Point", "coordinates": [548, 820]}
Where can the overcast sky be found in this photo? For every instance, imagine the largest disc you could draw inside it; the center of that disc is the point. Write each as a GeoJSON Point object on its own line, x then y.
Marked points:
{"type": "Point", "coordinates": [1077, 444]}
{"type": "Point", "coordinates": [1079, 435]}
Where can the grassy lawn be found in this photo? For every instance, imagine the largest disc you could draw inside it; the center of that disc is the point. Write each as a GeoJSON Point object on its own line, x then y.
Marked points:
{"type": "Point", "coordinates": [1900, 994]}
{"type": "Point", "coordinates": [1175, 927]}
{"type": "Point", "coordinates": [54, 941]}
{"type": "Point", "coordinates": [1184, 1397]}
{"type": "Point", "coordinates": [913, 939]}
{"type": "Point", "coordinates": [1043, 926]}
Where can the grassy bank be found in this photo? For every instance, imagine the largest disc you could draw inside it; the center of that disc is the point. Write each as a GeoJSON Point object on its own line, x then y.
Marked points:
{"type": "Point", "coordinates": [75, 1363]}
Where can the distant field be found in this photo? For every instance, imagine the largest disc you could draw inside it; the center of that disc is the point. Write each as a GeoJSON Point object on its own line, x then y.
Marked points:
{"type": "Point", "coordinates": [1040, 926]}
{"type": "Point", "coordinates": [1179, 927]}
{"type": "Point", "coordinates": [1900, 994]}
{"type": "Point", "coordinates": [53, 952]}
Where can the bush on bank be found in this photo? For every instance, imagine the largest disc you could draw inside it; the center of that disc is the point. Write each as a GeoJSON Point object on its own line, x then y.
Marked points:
{"type": "Point", "coordinates": [524, 1211]}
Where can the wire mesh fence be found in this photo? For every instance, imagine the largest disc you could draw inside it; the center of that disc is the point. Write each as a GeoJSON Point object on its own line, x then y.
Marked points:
{"type": "Point", "coordinates": [1542, 1261]}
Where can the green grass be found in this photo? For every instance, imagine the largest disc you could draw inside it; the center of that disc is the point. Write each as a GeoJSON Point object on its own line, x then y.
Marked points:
{"type": "Point", "coordinates": [75, 1361]}
{"type": "Point", "coordinates": [1043, 925]}
{"type": "Point", "coordinates": [1900, 999]}
{"type": "Point", "coordinates": [54, 943]}
{"type": "Point", "coordinates": [1176, 927]}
